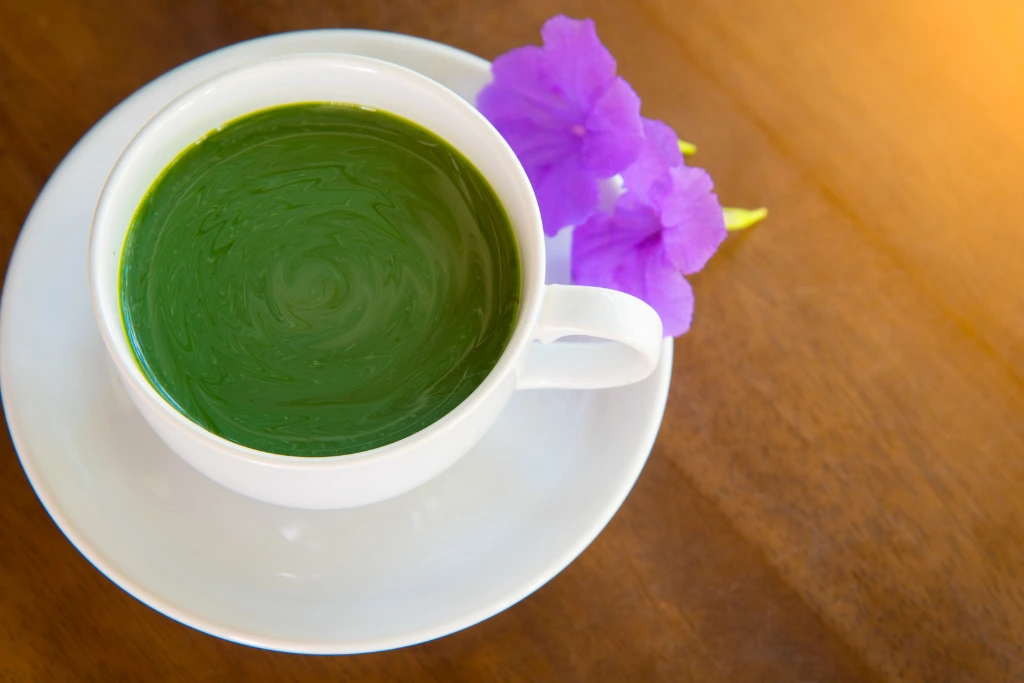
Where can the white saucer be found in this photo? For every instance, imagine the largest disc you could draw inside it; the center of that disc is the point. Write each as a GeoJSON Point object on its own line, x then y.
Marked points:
{"type": "Point", "coordinates": [486, 533]}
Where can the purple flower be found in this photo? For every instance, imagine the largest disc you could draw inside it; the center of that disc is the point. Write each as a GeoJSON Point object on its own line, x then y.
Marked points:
{"type": "Point", "coordinates": [571, 121]}
{"type": "Point", "coordinates": [666, 225]}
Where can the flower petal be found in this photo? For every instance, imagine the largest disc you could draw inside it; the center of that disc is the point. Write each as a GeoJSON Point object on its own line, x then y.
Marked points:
{"type": "Point", "coordinates": [651, 277]}
{"type": "Point", "coordinates": [668, 292]}
{"type": "Point", "coordinates": [567, 195]}
{"type": "Point", "coordinates": [605, 256]}
{"type": "Point", "coordinates": [604, 243]}
{"type": "Point", "coordinates": [636, 217]}
{"type": "Point", "coordinates": [595, 252]}
{"type": "Point", "coordinates": [539, 149]}
{"type": "Point", "coordinates": [659, 153]}
{"type": "Point", "coordinates": [692, 219]}
{"type": "Point", "coordinates": [577, 61]}
{"type": "Point", "coordinates": [614, 131]}
{"type": "Point", "coordinates": [522, 89]}
{"type": "Point", "coordinates": [532, 115]}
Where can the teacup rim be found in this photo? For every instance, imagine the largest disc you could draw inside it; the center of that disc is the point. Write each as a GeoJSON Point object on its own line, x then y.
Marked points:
{"type": "Point", "coordinates": [117, 343]}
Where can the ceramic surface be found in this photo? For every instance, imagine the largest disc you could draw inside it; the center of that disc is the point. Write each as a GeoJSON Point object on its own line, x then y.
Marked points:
{"type": "Point", "coordinates": [502, 521]}
{"type": "Point", "coordinates": [545, 314]}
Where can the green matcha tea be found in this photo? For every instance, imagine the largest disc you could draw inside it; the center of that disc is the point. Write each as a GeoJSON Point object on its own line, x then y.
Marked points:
{"type": "Point", "coordinates": [319, 279]}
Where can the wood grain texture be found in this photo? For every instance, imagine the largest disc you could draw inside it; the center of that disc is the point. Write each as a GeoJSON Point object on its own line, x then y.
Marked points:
{"type": "Point", "coordinates": [834, 495]}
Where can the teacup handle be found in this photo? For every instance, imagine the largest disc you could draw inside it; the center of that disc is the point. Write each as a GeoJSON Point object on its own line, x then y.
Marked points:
{"type": "Point", "coordinates": [631, 350]}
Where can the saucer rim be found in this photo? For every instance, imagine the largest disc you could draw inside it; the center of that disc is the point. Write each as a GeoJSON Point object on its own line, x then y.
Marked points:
{"type": "Point", "coordinates": [79, 539]}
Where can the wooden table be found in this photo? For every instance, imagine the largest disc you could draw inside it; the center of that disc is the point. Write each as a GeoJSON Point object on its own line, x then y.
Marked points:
{"type": "Point", "coordinates": [836, 492]}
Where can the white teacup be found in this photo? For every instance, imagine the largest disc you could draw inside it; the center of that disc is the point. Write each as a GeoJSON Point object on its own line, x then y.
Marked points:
{"type": "Point", "coordinates": [631, 329]}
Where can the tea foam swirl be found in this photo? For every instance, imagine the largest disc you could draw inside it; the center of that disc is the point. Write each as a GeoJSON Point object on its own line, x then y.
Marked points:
{"type": "Point", "coordinates": [317, 279]}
